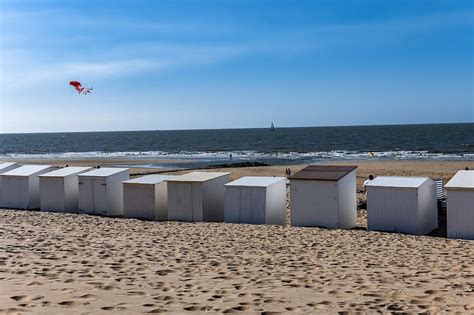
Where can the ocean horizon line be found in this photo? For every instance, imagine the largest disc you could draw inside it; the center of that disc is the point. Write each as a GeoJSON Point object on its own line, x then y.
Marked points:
{"type": "Point", "coordinates": [238, 128]}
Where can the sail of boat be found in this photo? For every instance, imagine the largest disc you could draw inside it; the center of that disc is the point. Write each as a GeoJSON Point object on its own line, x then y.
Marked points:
{"type": "Point", "coordinates": [272, 127]}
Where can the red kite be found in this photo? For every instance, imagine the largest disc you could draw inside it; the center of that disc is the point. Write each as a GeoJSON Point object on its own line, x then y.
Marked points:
{"type": "Point", "coordinates": [79, 88]}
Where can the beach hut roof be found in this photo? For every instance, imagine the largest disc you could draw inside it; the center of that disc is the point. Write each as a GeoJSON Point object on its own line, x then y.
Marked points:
{"type": "Point", "coordinates": [63, 172]}
{"type": "Point", "coordinates": [198, 176]}
{"type": "Point", "coordinates": [104, 171]}
{"type": "Point", "coordinates": [26, 170]}
{"type": "Point", "coordinates": [6, 164]}
{"type": "Point", "coordinates": [462, 179]}
{"type": "Point", "coordinates": [398, 181]}
{"type": "Point", "coordinates": [323, 172]}
{"type": "Point", "coordinates": [253, 181]}
{"type": "Point", "coordinates": [149, 179]}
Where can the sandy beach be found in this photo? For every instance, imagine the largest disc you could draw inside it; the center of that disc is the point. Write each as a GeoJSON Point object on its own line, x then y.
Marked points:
{"type": "Point", "coordinates": [88, 264]}
{"type": "Point", "coordinates": [95, 95]}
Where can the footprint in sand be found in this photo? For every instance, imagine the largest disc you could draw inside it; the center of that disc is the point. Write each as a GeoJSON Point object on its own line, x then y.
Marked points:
{"type": "Point", "coordinates": [193, 308]}
{"type": "Point", "coordinates": [108, 308]}
{"type": "Point", "coordinates": [26, 298]}
{"type": "Point", "coordinates": [107, 287]}
{"type": "Point", "coordinates": [70, 280]}
{"type": "Point", "coordinates": [11, 310]}
{"type": "Point", "coordinates": [67, 303]}
{"type": "Point", "coordinates": [34, 283]}
{"type": "Point", "coordinates": [164, 272]}
{"type": "Point", "coordinates": [439, 299]}
{"type": "Point", "coordinates": [136, 293]}
{"type": "Point", "coordinates": [157, 311]}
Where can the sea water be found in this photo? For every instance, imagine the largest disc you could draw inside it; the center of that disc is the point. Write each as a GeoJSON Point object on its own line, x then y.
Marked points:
{"type": "Point", "coordinates": [281, 146]}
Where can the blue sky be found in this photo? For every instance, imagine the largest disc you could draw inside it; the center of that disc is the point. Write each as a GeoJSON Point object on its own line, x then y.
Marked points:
{"type": "Point", "coordinates": [232, 64]}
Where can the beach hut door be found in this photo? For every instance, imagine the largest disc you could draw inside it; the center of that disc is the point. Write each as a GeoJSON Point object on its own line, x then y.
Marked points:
{"type": "Point", "coordinates": [184, 202]}
{"type": "Point", "coordinates": [100, 197]}
{"type": "Point", "coordinates": [18, 199]}
{"type": "Point", "coordinates": [86, 196]}
{"type": "Point", "coordinates": [252, 206]}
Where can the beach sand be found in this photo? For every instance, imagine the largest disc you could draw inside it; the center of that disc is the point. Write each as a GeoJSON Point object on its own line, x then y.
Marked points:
{"type": "Point", "coordinates": [59, 263]}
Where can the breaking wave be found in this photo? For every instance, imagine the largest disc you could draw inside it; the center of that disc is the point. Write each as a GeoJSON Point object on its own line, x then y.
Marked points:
{"type": "Point", "coordinates": [249, 155]}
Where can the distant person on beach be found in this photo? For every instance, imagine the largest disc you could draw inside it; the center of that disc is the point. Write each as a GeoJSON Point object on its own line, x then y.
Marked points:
{"type": "Point", "coordinates": [230, 156]}
{"type": "Point", "coordinates": [371, 178]}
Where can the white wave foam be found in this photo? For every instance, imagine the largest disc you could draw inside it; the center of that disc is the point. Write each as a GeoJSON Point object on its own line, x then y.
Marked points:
{"type": "Point", "coordinates": [247, 155]}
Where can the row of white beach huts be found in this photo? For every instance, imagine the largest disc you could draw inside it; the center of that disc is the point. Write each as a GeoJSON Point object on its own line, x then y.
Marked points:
{"type": "Point", "coordinates": [320, 195]}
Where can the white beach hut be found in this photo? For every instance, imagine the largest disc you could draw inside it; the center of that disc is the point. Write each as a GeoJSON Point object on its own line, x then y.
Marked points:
{"type": "Point", "coordinates": [197, 197]}
{"type": "Point", "coordinates": [59, 190]}
{"type": "Point", "coordinates": [5, 167]}
{"type": "Point", "coordinates": [256, 200]}
{"type": "Point", "coordinates": [402, 204]}
{"type": "Point", "coordinates": [325, 196]}
{"type": "Point", "coordinates": [101, 191]}
{"type": "Point", "coordinates": [146, 197]}
{"type": "Point", "coordinates": [460, 205]}
{"type": "Point", "coordinates": [20, 186]}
